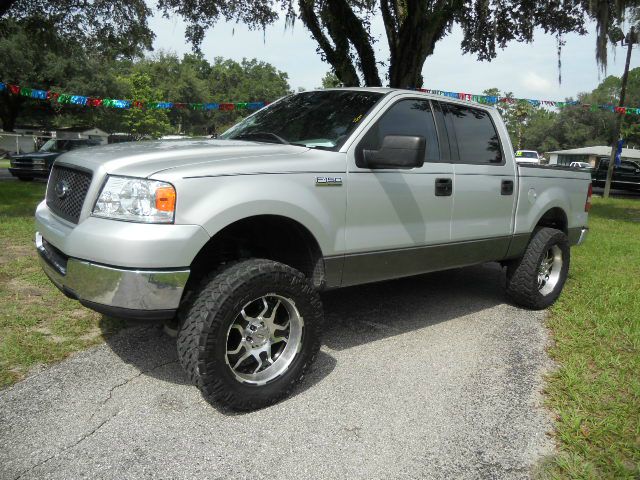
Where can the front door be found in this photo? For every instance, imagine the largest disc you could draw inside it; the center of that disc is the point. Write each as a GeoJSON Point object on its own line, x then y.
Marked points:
{"type": "Point", "coordinates": [392, 215]}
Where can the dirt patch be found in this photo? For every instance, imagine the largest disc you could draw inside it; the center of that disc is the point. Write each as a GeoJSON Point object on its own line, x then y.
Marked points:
{"type": "Point", "coordinates": [27, 292]}
{"type": "Point", "coordinates": [91, 335]}
{"type": "Point", "coordinates": [80, 313]}
{"type": "Point", "coordinates": [8, 253]}
{"type": "Point", "coordinates": [50, 335]}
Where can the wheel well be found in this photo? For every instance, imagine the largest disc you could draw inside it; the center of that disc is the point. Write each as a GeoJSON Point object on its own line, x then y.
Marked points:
{"type": "Point", "coordinates": [554, 218]}
{"type": "Point", "coordinates": [264, 236]}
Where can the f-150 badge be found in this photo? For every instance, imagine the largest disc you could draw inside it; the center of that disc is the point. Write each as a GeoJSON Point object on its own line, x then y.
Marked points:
{"type": "Point", "coordinates": [328, 181]}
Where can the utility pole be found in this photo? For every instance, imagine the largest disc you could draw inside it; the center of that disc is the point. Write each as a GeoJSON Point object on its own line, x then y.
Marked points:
{"type": "Point", "coordinates": [631, 39]}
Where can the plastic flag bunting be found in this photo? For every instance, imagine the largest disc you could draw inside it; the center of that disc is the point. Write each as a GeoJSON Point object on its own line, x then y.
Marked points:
{"type": "Point", "coordinates": [493, 100]}
{"type": "Point", "coordinates": [67, 99]}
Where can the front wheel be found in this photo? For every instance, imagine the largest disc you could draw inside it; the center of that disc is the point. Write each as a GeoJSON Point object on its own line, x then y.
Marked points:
{"type": "Point", "coordinates": [536, 279]}
{"type": "Point", "coordinates": [250, 333]}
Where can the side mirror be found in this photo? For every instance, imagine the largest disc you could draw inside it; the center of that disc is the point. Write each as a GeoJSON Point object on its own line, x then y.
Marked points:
{"type": "Point", "coordinates": [397, 151]}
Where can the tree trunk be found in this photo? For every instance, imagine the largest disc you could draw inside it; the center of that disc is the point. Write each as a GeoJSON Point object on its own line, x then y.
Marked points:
{"type": "Point", "coordinates": [623, 90]}
{"type": "Point", "coordinates": [412, 35]}
{"type": "Point", "coordinates": [338, 54]}
{"type": "Point", "coordinates": [9, 110]}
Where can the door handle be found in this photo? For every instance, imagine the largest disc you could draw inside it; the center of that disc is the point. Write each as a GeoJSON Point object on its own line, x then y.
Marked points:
{"type": "Point", "coordinates": [444, 187]}
{"type": "Point", "coordinates": [507, 187]}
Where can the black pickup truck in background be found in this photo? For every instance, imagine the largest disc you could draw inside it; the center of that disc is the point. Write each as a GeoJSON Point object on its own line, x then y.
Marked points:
{"type": "Point", "coordinates": [38, 164]}
{"type": "Point", "coordinates": [626, 176]}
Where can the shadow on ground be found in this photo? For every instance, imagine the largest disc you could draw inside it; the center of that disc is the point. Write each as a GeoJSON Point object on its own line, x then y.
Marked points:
{"type": "Point", "coordinates": [354, 316]}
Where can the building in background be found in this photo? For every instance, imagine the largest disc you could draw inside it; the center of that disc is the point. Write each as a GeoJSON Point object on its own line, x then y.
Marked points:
{"type": "Point", "coordinates": [82, 133]}
{"type": "Point", "coordinates": [590, 155]}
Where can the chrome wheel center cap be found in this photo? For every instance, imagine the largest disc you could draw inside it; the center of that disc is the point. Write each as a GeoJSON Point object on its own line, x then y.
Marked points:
{"type": "Point", "coordinates": [257, 334]}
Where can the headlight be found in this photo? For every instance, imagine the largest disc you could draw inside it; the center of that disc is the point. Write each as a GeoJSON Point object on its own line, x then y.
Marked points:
{"type": "Point", "coordinates": [136, 200]}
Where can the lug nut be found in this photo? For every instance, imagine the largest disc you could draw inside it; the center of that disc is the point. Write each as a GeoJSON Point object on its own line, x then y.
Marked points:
{"type": "Point", "coordinates": [249, 339]}
{"type": "Point", "coordinates": [253, 328]}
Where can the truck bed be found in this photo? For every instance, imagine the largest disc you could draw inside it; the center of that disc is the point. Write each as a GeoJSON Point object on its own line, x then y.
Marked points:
{"type": "Point", "coordinates": [545, 187]}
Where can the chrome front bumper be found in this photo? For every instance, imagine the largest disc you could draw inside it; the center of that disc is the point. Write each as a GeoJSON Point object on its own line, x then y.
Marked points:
{"type": "Point", "coordinates": [118, 292]}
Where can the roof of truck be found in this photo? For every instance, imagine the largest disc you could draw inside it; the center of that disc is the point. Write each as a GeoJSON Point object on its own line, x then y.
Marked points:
{"type": "Point", "coordinates": [386, 90]}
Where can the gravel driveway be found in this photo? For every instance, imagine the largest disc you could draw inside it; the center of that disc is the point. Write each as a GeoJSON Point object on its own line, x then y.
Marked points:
{"type": "Point", "coordinates": [429, 377]}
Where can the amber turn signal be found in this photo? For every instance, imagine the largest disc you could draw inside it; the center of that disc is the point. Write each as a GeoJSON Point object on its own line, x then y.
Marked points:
{"type": "Point", "coordinates": [165, 199]}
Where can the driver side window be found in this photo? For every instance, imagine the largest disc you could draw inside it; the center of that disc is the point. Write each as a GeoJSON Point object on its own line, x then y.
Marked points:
{"type": "Point", "coordinates": [407, 117]}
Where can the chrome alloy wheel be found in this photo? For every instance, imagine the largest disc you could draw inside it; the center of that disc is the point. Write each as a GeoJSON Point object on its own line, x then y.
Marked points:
{"type": "Point", "coordinates": [264, 339]}
{"type": "Point", "coordinates": [549, 270]}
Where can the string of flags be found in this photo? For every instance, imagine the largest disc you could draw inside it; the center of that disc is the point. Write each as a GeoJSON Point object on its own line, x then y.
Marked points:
{"type": "Point", "coordinates": [494, 100]}
{"type": "Point", "coordinates": [64, 98]}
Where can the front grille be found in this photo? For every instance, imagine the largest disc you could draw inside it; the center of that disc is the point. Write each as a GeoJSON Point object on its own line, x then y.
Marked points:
{"type": "Point", "coordinates": [29, 164]}
{"type": "Point", "coordinates": [74, 184]}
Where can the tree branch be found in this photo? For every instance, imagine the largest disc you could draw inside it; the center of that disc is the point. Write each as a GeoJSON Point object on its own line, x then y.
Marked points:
{"type": "Point", "coordinates": [352, 29]}
{"type": "Point", "coordinates": [338, 58]}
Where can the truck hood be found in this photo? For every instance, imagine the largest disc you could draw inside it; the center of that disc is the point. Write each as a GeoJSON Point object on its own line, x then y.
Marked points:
{"type": "Point", "coordinates": [143, 159]}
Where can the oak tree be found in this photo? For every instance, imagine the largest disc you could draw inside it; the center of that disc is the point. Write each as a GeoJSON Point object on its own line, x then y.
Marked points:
{"type": "Point", "coordinates": [342, 28]}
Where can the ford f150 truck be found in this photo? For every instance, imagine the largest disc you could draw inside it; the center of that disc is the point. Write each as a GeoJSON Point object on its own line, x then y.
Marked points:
{"type": "Point", "coordinates": [234, 238]}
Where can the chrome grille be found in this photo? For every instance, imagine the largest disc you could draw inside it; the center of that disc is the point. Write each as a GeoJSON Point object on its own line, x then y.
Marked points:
{"type": "Point", "coordinates": [75, 184]}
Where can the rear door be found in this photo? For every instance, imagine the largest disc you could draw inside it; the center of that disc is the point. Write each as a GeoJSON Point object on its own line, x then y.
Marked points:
{"type": "Point", "coordinates": [484, 193]}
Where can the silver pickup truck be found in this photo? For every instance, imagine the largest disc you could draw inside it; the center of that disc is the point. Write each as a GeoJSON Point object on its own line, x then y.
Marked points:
{"type": "Point", "coordinates": [233, 239]}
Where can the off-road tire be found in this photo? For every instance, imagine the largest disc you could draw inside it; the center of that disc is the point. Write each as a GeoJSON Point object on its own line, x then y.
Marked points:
{"type": "Point", "coordinates": [522, 273]}
{"type": "Point", "coordinates": [205, 320]}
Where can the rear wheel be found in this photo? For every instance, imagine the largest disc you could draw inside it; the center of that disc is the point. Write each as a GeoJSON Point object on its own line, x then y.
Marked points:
{"type": "Point", "coordinates": [250, 333]}
{"type": "Point", "coordinates": [536, 279]}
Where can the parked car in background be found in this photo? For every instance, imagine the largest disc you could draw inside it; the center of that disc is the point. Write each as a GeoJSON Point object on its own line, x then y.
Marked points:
{"type": "Point", "coordinates": [580, 165]}
{"type": "Point", "coordinates": [38, 164]}
{"type": "Point", "coordinates": [626, 176]}
{"type": "Point", "coordinates": [527, 156]}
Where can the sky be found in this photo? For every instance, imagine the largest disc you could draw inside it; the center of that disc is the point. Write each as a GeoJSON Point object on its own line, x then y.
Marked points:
{"type": "Point", "coordinates": [526, 70]}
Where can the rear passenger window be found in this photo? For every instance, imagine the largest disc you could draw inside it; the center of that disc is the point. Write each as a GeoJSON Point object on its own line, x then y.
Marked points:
{"type": "Point", "coordinates": [475, 133]}
{"type": "Point", "coordinates": [406, 117]}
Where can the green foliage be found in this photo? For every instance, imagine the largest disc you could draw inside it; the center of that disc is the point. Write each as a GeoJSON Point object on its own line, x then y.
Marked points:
{"type": "Point", "coordinates": [537, 128]}
{"type": "Point", "coordinates": [516, 115]}
{"type": "Point", "coordinates": [144, 123]}
{"type": "Point", "coordinates": [111, 28]}
{"type": "Point", "coordinates": [170, 78]}
{"type": "Point", "coordinates": [194, 79]}
{"type": "Point", "coordinates": [330, 80]}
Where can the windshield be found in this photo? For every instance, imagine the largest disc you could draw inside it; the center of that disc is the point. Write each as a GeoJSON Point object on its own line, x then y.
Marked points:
{"type": "Point", "coordinates": [51, 145]}
{"type": "Point", "coordinates": [319, 119]}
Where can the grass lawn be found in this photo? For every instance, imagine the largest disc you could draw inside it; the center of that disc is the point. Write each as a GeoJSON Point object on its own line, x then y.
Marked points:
{"type": "Point", "coordinates": [595, 392]}
{"type": "Point", "coordinates": [38, 325]}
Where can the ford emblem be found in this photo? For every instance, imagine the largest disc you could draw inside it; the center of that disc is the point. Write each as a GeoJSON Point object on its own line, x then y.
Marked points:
{"type": "Point", "coordinates": [62, 189]}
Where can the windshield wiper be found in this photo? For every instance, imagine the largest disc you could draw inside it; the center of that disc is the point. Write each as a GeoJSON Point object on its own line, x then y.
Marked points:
{"type": "Point", "coordinates": [263, 135]}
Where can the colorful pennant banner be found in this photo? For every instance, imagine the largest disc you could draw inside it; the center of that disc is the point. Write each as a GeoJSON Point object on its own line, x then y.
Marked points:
{"type": "Point", "coordinates": [82, 100]}
{"type": "Point", "coordinates": [493, 100]}
{"type": "Point", "coordinates": [65, 98]}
